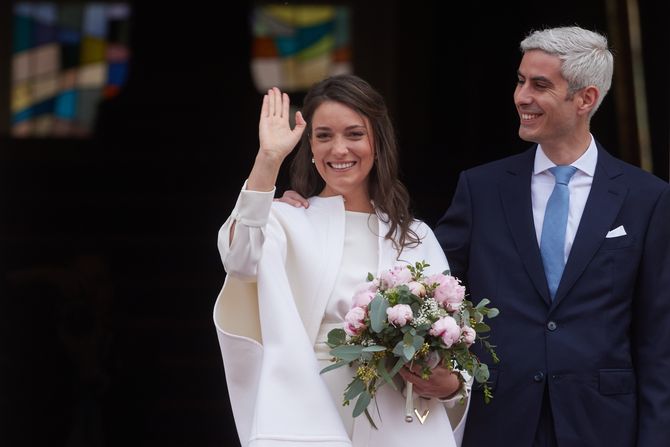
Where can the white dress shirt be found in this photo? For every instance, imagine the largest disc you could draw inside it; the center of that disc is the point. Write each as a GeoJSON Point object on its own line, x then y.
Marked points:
{"type": "Point", "coordinates": [542, 184]}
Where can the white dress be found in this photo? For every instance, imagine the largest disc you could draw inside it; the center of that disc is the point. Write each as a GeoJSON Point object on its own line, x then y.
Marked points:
{"type": "Point", "coordinates": [359, 257]}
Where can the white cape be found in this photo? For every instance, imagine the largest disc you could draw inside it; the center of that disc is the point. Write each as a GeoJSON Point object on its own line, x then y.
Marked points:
{"type": "Point", "coordinates": [267, 320]}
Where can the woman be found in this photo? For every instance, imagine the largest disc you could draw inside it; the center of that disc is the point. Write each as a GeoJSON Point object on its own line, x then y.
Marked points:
{"type": "Point", "coordinates": [292, 273]}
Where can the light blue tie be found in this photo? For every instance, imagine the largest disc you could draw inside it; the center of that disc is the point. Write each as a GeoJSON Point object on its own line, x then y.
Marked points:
{"type": "Point", "coordinates": [552, 240]}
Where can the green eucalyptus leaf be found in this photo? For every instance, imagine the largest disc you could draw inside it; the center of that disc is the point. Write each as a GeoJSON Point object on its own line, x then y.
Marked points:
{"type": "Point", "coordinates": [408, 352]}
{"type": "Point", "coordinates": [347, 352]}
{"type": "Point", "coordinates": [483, 303]}
{"type": "Point", "coordinates": [334, 366]}
{"type": "Point", "coordinates": [370, 277]}
{"type": "Point", "coordinates": [422, 328]}
{"type": "Point", "coordinates": [398, 349]}
{"type": "Point", "coordinates": [399, 364]}
{"type": "Point", "coordinates": [377, 308]}
{"type": "Point", "coordinates": [362, 403]}
{"type": "Point", "coordinates": [417, 342]}
{"type": "Point", "coordinates": [372, 423]}
{"type": "Point", "coordinates": [493, 312]}
{"type": "Point", "coordinates": [384, 374]}
{"type": "Point", "coordinates": [481, 327]}
{"type": "Point", "coordinates": [374, 348]}
{"type": "Point", "coordinates": [404, 295]}
{"type": "Point", "coordinates": [336, 337]}
{"type": "Point", "coordinates": [356, 387]}
{"type": "Point", "coordinates": [481, 373]}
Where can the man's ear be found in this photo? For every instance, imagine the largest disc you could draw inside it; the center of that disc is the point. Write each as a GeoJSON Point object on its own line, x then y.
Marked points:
{"type": "Point", "coordinates": [588, 97]}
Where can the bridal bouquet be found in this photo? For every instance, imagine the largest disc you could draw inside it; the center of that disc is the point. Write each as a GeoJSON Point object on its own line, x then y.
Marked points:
{"type": "Point", "coordinates": [405, 318]}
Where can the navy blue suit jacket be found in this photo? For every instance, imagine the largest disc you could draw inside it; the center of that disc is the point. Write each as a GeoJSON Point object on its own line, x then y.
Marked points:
{"type": "Point", "coordinates": [602, 347]}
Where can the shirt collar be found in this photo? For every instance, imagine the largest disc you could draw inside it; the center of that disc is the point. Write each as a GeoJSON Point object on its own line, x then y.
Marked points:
{"type": "Point", "coordinates": [586, 163]}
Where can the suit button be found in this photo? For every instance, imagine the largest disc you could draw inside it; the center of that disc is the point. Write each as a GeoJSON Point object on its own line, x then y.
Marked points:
{"type": "Point", "coordinates": [552, 326]}
{"type": "Point", "coordinates": [538, 377]}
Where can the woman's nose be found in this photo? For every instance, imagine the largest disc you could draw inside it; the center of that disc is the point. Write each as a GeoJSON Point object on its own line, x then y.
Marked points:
{"type": "Point", "coordinates": [340, 145]}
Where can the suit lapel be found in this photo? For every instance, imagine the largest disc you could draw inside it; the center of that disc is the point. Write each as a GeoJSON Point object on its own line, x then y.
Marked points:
{"type": "Point", "coordinates": [516, 201]}
{"type": "Point", "coordinates": [602, 207]}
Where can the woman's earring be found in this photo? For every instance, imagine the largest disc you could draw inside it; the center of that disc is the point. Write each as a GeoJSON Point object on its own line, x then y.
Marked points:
{"type": "Point", "coordinates": [312, 160]}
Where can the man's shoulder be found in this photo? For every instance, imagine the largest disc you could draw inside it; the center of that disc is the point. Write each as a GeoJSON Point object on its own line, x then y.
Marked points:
{"type": "Point", "coordinates": [493, 169]}
{"type": "Point", "coordinates": [634, 176]}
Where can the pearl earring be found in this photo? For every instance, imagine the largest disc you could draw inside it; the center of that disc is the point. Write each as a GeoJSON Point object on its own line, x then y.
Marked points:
{"type": "Point", "coordinates": [312, 160]}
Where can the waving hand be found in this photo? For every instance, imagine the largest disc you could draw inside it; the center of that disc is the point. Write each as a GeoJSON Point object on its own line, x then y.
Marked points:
{"type": "Point", "coordinates": [275, 134]}
{"type": "Point", "coordinates": [277, 139]}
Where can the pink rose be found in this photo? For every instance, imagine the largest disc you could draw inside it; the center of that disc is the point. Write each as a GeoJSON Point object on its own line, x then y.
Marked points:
{"type": "Point", "coordinates": [399, 314]}
{"type": "Point", "coordinates": [398, 275]}
{"type": "Point", "coordinates": [449, 292]}
{"type": "Point", "coordinates": [354, 321]}
{"type": "Point", "coordinates": [417, 288]}
{"type": "Point", "coordinates": [371, 286]}
{"type": "Point", "coordinates": [447, 329]}
{"type": "Point", "coordinates": [362, 298]}
{"type": "Point", "coordinates": [469, 335]}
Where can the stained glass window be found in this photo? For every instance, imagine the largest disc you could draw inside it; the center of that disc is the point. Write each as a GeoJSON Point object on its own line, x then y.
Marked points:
{"type": "Point", "coordinates": [66, 58]}
{"type": "Point", "coordinates": [295, 46]}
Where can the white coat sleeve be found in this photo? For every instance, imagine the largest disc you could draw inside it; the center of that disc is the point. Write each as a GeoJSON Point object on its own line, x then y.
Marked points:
{"type": "Point", "coordinates": [250, 216]}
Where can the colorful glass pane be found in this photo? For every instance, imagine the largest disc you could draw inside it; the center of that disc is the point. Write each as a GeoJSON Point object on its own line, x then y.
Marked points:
{"type": "Point", "coordinates": [295, 46]}
{"type": "Point", "coordinates": [66, 58]}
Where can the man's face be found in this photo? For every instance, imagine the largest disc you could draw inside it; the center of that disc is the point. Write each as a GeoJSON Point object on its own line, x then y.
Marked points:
{"type": "Point", "coordinates": [548, 114]}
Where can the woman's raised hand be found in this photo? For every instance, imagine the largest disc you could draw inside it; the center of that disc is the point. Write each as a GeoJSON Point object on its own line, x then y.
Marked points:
{"type": "Point", "coordinates": [277, 139]}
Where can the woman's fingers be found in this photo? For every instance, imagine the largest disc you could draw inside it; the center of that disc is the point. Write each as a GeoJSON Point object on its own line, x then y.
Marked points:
{"type": "Point", "coordinates": [278, 103]}
{"type": "Point", "coordinates": [265, 108]}
{"type": "Point", "coordinates": [285, 105]}
{"type": "Point", "coordinates": [299, 120]}
{"type": "Point", "coordinates": [277, 99]}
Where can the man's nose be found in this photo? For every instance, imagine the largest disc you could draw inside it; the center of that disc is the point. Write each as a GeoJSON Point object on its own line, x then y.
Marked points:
{"type": "Point", "coordinates": [522, 95]}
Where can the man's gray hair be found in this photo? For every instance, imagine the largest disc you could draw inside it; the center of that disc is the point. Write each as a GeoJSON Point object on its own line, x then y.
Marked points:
{"type": "Point", "coordinates": [585, 57]}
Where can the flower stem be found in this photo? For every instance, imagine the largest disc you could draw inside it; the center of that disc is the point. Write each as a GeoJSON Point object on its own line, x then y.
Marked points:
{"type": "Point", "coordinates": [409, 403]}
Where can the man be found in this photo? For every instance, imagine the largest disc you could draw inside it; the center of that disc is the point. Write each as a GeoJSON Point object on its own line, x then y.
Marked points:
{"type": "Point", "coordinates": [580, 270]}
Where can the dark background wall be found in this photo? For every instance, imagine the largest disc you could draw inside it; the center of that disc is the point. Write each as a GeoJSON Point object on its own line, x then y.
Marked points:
{"type": "Point", "coordinates": [108, 260]}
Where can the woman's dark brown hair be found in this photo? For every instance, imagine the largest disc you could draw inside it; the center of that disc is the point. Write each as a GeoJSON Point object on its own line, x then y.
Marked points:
{"type": "Point", "coordinates": [389, 195]}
